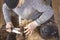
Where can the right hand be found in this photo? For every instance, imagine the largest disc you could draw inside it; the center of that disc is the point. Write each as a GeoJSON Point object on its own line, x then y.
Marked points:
{"type": "Point", "coordinates": [9, 25]}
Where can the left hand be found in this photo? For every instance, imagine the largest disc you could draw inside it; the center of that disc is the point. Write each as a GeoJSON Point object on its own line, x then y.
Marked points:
{"type": "Point", "coordinates": [30, 28]}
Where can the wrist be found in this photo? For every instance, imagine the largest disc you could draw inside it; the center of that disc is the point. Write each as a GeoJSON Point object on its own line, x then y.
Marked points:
{"type": "Point", "coordinates": [36, 23]}
{"type": "Point", "coordinates": [9, 23]}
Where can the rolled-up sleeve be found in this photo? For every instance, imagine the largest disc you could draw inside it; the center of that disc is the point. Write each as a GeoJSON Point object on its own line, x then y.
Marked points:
{"type": "Point", "coordinates": [47, 12]}
{"type": "Point", "coordinates": [45, 16]}
{"type": "Point", "coordinates": [6, 13]}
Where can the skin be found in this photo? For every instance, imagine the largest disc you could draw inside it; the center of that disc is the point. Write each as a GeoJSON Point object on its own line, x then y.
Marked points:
{"type": "Point", "coordinates": [30, 28]}
{"type": "Point", "coordinates": [9, 25]}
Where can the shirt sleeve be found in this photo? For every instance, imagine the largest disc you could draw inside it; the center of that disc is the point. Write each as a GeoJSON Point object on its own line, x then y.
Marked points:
{"type": "Point", "coordinates": [6, 13]}
{"type": "Point", "coordinates": [45, 16]}
{"type": "Point", "coordinates": [47, 12]}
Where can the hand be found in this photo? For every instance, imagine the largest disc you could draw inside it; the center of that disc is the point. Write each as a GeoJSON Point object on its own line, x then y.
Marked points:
{"type": "Point", "coordinates": [30, 28]}
{"type": "Point", "coordinates": [9, 25]}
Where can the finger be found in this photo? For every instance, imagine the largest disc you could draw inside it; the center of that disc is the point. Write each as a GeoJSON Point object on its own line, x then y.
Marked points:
{"type": "Point", "coordinates": [8, 27]}
{"type": "Point", "coordinates": [26, 31]}
{"type": "Point", "coordinates": [25, 27]}
{"type": "Point", "coordinates": [9, 30]}
{"type": "Point", "coordinates": [31, 33]}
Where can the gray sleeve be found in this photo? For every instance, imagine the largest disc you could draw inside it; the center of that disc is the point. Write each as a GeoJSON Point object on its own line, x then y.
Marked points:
{"type": "Point", "coordinates": [45, 16]}
{"type": "Point", "coordinates": [47, 13]}
{"type": "Point", "coordinates": [6, 13]}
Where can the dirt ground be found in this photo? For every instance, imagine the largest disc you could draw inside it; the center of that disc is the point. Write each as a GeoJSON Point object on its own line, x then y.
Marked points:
{"type": "Point", "coordinates": [1, 16]}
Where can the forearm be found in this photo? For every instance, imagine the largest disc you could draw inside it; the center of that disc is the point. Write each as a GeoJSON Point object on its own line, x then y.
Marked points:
{"type": "Point", "coordinates": [7, 17]}
{"type": "Point", "coordinates": [45, 17]}
{"type": "Point", "coordinates": [6, 13]}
